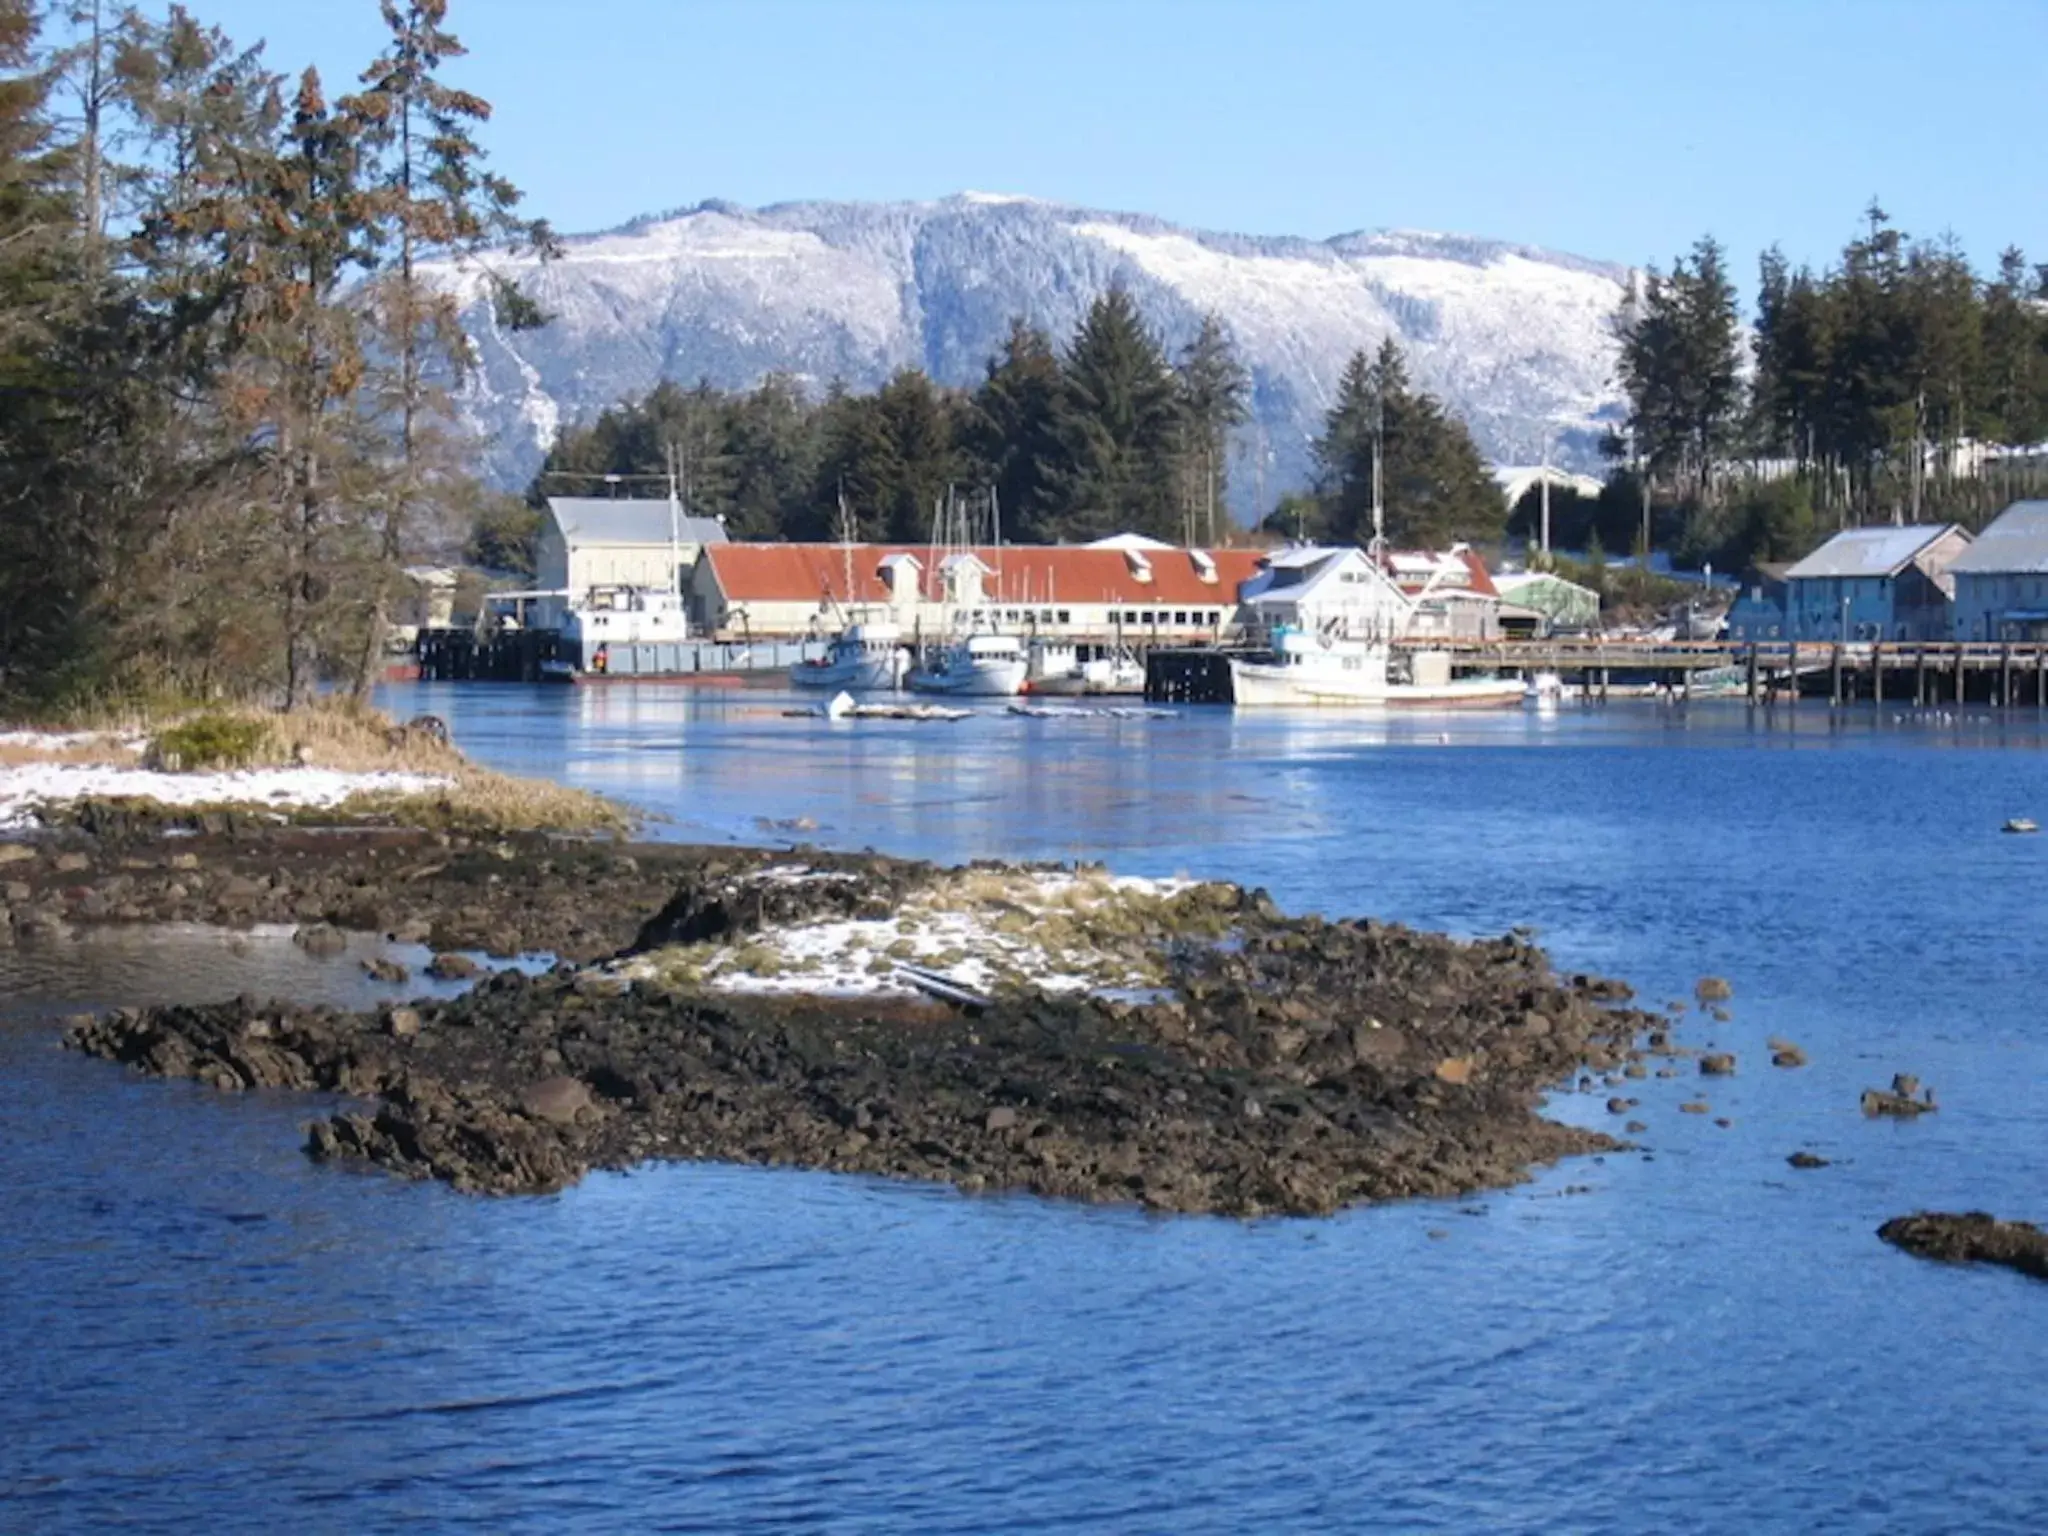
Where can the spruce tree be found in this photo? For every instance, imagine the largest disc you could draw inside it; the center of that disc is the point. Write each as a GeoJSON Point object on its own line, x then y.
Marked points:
{"type": "Point", "coordinates": [1117, 427]}
{"type": "Point", "coordinates": [432, 196]}
{"type": "Point", "coordinates": [1214, 388]}
{"type": "Point", "coordinates": [1012, 431]}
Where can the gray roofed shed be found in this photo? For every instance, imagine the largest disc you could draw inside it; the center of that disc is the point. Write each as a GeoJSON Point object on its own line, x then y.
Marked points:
{"type": "Point", "coordinates": [2014, 542]}
{"type": "Point", "coordinates": [606, 520]}
{"type": "Point", "coordinates": [1865, 552]}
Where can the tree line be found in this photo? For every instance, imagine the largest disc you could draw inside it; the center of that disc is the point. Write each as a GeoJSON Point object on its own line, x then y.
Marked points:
{"type": "Point", "coordinates": [1104, 434]}
{"type": "Point", "coordinates": [1895, 384]}
{"type": "Point", "coordinates": [225, 382]}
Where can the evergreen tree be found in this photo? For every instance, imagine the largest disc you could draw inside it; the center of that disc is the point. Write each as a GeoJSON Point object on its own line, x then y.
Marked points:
{"type": "Point", "coordinates": [424, 172]}
{"type": "Point", "coordinates": [1213, 392]}
{"type": "Point", "coordinates": [2013, 399]}
{"type": "Point", "coordinates": [1012, 431]}
{"type": "Point", "coordinates": [1435, 489]}
{"type": "Point", "coordinates": [1679, 369]}
{"type": "Point", "coordinates": [1117, 427]}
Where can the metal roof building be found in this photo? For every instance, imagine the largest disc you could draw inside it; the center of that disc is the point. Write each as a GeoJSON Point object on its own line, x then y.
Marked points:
{"type": "Point", "coordinates": [594, 541]}
{"type": "Point", "coordinates": [2001, 582]}
{"type": "Point", "coordinates": [1882, 583]}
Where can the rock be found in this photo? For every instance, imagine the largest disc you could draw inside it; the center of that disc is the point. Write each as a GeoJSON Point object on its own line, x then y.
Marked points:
{"type": "Point", "coordinates": [1001, 1118]}
{"type": "Point", "coordinates": [557, 1100]}
{"type": "Point", "coordinates": [1618, 1106]}
{"type": "Point", "coordinates": [1635, 1127]}
{"type": "Point", "coordinates": [1718, 1064]}
{"type": "Point", "coordinates": [384, 968]}
{"type": "Point", "coordinates": [17, 892]}
{"type": "Point", "coordinates": [412, 931]}
{"type": "Point", "coordinates": [1971, 1238]}
{"type": "Point", "coordinates": [402, 1023]}
{"type": "Point", "coordinates": [182, 861]}
{"type": "Point", "coordinates": [1807, 1160]}
{"type": "Point", "coordinates": [452, 967]}
{"type": "Point", "coordinates": [1788, 1056]}
{"type": "Point", "coordinates": [1695, 1107]}
{"type": "Point", "coordinates": [320, 939]}
{"type": "Point", "coordinates": [1724, 1122]}
{"type": "Point", "coordinates": [1877, 1102]}
{"type": "Point", "coordinates": [1454, 1069]}
{"type": "Point", "coordinates": [71, 863]}
{"type": "Point", "coordinates": [16, 853]}
{"type": "Point", "coordinates": [1712, 989]}
{"type": "Point", "coordinates": [1635, 1070]}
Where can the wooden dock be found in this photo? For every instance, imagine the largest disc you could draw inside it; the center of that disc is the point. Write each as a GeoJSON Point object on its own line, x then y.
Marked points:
{"type": "Point", "coordinates": [1764, 672]}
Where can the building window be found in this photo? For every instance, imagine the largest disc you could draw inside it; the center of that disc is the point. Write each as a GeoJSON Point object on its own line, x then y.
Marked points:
{"type": "Point", "coordinates": [1181, 619]}
{"type": "Point", "coordinates": [1130, 617]}
{"type": "Point", "coordinates": [1065, 617]}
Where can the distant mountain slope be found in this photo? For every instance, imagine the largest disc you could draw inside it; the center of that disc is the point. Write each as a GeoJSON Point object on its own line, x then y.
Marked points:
{"type": "Point", "coordinates": [1516, 339]}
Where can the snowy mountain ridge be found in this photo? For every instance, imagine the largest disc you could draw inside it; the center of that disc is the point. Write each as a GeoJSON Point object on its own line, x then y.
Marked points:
{"type": "Point", "coordinates": [1516, 339]}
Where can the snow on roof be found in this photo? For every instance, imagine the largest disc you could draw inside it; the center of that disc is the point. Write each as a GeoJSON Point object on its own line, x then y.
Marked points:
{"type": "Point", "coordinates": [605, 520]}
{"type": "Point", "coordinates": [1303, 555]}
{"type": "Point", "coordinates": [1127, 541]}
{"type": "Point", "coordinates": [1511, 582]}
{"type": "Point", "coordinates": [1868, 552]}
{"type": "Point", "coordinates": [2015, 540]}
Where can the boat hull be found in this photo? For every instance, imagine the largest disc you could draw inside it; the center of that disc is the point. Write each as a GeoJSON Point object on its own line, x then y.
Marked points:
{"type": "Point", "coordinates": [980, 680]}
{"type": "Point", "coordinates": [1256, 685]}
{"type": "Point", "coordinates": [869, 675]}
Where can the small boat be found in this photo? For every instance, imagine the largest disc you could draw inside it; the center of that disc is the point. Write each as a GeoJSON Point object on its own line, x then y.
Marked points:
{"type": "Point", "coordinates": [1058, 670]}
{"type": "Point", "coordinates": [1543, 690]}
{"type": "Point", "coordinates": [1329, 671]}
{"type": "Point", "coordinates": [2022, 824]}
{"type": "Point", "coordinates": [980, 666]}
{"type": "Point", "coordinates": [865, 657]}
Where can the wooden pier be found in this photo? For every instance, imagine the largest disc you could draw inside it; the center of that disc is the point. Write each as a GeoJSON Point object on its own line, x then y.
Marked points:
{"type": "Point", "coordinates": [1764, 672]}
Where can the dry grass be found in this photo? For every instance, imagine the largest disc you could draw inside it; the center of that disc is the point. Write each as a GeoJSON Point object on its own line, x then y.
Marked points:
{"type": "Point", "coordinates": [354, 739]}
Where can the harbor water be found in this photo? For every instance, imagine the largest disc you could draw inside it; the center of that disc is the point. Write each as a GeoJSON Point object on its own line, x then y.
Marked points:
{"type": "Point", "coordinates": [202, 1329]}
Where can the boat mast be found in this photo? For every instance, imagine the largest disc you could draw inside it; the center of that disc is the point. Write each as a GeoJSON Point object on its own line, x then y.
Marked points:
{"type": "Point", "coordinates": [675, 526]}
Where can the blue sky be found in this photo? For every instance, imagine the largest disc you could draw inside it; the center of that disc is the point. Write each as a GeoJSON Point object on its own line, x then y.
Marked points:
{"type": "Point", "coordinates": [1615, 130]}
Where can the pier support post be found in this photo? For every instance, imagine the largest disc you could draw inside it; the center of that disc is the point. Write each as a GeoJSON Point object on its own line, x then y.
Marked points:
{"type": "Point", "coordinates": [1877, 672]}
{"type": "Point", "coordinates": [1920, 677]}
{"type": "Point", "coordinates": [1835, 678]}
{"type": "Point", "coordinates": [1750, 679]}
{"type": "Point", "coordinates": [2005, 678]}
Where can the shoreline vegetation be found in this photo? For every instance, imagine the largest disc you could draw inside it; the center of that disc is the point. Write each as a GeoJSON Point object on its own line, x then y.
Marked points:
{"type": "Point", "coordinates": [329, 763]}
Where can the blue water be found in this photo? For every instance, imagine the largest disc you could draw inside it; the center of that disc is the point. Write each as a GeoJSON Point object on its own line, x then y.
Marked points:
{"type": "Point", "coordinates": [200, 1328]}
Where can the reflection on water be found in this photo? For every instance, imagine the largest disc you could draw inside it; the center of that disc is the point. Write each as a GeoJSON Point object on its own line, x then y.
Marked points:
{"type": "Point", "coordinates": [204, 1329]}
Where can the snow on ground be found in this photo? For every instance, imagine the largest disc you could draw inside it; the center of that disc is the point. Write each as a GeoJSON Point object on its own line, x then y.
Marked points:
{"type": "Point", "coordinates": [1055, 932]}
{"type": "Point", "coordinates": [26, 786]}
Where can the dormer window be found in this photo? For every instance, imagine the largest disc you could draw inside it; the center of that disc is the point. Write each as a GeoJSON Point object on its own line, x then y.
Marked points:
{"type": "Point", "coordinates": [1205, 565]}
{"type": "Point", "coordinates": [1141, 568]}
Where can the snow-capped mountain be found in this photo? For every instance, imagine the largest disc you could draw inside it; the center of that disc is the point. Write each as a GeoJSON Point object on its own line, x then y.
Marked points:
{"type": "Point", "coordinates": [1515, 339]}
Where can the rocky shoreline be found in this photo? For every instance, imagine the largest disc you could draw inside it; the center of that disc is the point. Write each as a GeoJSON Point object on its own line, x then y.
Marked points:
{"type": "Point", "coordinates": [1266, 1064]}
{"type": "Point", "coordinates": [1973, 1237]}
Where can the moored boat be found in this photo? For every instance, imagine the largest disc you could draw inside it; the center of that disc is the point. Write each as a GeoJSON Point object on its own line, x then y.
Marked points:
{"type": "Point", "coordinates": [1331, 671]}
{"type": "Point", "coordinates": [866, 657]}
{"type": "Point", "coordinates": [979, 666]}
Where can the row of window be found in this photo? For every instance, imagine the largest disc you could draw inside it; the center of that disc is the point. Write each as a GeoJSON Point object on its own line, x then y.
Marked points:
{"type": "Point", "coordinates": [1207, 618]}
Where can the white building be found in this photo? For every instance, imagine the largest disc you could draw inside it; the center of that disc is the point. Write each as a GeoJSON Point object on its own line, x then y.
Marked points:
{"type": "Point", "coordinates": [2001, 581]}
{"type": "Point", "coordinates": [589, 541]}
{"type": "Point", "coordinates": [1880, 583]}
{"type": "Point", "coordinates": [1326, 590]}
{"type": "Point", "coordinates": [1132, 590]}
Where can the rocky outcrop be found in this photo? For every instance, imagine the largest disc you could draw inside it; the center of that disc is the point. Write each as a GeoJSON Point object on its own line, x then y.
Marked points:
{"type": "Point", "coordinates": [1300, 1066]}
{"type": "Point", "coordinates": [1971, 1238]}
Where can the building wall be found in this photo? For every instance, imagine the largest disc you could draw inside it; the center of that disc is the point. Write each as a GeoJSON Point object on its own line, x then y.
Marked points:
{"type": "Point", "coordinates": [577, 568]}
{"type": "Point", "coordinates": [1135, 621]}
{"type": "Point", "coordinates": [1985, 599]}
{"type": "Point", "coordinates": [1910, 607]}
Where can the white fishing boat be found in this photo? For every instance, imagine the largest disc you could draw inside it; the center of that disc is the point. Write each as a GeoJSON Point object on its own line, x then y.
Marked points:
{"type": "Point", "coordinates": [978, 666]}
{"type": "Point", "coordinates": [866, 657]}
{"type": "Point", "coordinates": [1330, 671]}
{"type": "Point", "coordinates": [1059, 670]}
{"type": "Point", "coordinates": [609, 618]}
{"type": "Point", "coordinates": [1543, 691]}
